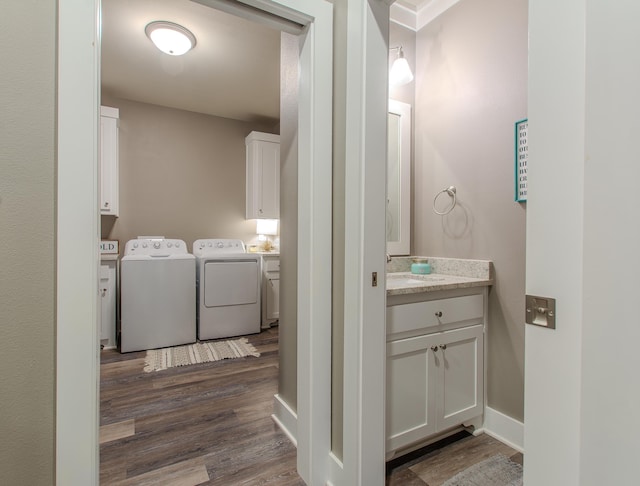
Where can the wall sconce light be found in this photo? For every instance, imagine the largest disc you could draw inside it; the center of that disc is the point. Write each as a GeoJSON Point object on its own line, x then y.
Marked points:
{"type": "Point", "coordinates": [170, 38]}
{"type": "Point", "coordinates": [400, 71]}
{"type": "Point", "coordinates": [264, 229]}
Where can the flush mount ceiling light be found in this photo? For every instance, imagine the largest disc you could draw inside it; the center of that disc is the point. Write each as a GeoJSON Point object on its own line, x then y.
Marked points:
{"type": "Point", "coordinates": [400, 71]}
{"type": "Point", "coordinates": [170, 38]}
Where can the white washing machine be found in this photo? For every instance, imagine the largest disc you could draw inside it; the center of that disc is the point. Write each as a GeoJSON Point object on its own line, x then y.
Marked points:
{"type": "Point", "coordinates": [228, 288]}
{"type": "Point", "coordinates": [158, 294]}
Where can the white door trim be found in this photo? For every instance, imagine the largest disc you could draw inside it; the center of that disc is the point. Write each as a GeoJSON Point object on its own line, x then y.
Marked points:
{"type": "Point", "coordinates": [77, 256]}
{"type": "Point", "coordinates": [77, 259]}
{"type": "Point", "coordinates": [365, 236]}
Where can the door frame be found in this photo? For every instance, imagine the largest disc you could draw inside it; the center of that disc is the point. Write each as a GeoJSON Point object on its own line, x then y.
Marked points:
{"type": "Point", "coordinates": [78, 228]}
{"type": "Point", "coordinates": [363, 461]}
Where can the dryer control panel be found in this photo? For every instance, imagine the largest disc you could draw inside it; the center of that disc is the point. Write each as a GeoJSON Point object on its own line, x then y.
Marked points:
{"type": "Point", "coordinates": [156, 247]}
{"type": "Point", "coordinates": [217, 246]}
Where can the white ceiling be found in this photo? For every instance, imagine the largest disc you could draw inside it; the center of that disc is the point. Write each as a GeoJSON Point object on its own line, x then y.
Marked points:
{"type": "Point", "coordinates": [233, 72]}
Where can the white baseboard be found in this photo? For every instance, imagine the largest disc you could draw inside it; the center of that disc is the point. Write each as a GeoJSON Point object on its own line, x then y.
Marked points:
{"type": "Point", "coordinates": [504, 428]}
{"type": "Point", "coordinates": [285, 418]}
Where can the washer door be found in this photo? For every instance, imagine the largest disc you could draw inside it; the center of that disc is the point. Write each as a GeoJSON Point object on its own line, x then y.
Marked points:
{"type": "Point", "coordinates": [230, 283]}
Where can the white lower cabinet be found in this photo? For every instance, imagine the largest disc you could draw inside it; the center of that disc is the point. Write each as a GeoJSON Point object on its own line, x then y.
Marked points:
{"type": "Point", "coordinates": [273, 298]}
{"type": "Point", "coordinates": [435, 381]}
{"type": "Point", "coordinates": [270, 290]}
{"type": "Point", "coordinates": [108, 286]}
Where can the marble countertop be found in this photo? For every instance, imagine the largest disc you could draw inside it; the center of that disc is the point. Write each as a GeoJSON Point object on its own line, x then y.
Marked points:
{"type": "Point", "coordinates": [447, 274]}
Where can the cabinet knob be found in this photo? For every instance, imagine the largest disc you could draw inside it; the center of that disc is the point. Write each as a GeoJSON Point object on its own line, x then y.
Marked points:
{"type": "Point", "coordinates": [443, 346]}
{"type": "Point", "coordinates": [106, 204]}
{"type": "Point", "coordinates": [434, 348]}
{"type": "Point", "coordinates": [439, 314]}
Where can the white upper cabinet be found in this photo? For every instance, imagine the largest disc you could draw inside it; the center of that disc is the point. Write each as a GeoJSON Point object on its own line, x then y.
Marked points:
{"type": "Point", "coordinates": [263, 176]}
{"type": "Point", "coordinates": [109, 160]}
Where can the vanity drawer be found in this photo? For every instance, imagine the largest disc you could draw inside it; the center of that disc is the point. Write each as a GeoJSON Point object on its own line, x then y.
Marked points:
{"type": "Point", "coordinates": [443, 312]}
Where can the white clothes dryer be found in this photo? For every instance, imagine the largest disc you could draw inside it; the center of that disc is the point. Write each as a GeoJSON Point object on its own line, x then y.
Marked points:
{"type": "Point", "coordinates": [158, 294]}
{"type": "Point", "coordinates": [228, 288]}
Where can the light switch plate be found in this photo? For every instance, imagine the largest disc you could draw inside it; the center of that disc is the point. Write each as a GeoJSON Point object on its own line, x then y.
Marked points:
{"type": "Point", "coordinates": [541, 311]}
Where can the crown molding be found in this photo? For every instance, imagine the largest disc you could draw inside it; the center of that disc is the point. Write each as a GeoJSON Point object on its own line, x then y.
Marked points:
{"type": "Point", "coordinates": [404, 16]}
{"type": "Point", "coordinates": [426, 13]}
{"type": "Point", "coordinates": [431, 10]}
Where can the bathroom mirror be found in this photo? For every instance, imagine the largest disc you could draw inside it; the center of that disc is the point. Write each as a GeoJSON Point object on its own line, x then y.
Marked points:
{"type": "Point", "coordinates": [399, 179]}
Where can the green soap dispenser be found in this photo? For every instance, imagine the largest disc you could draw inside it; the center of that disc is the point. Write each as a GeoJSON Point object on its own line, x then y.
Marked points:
{"type": "Point", "coordinates": [421, 266]}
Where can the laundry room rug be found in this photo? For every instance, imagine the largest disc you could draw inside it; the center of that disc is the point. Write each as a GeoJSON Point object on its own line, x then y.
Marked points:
{"type": "Point", "coordinates": [498, 470]}
{"type": "Point", "coordinates": [161, 359]}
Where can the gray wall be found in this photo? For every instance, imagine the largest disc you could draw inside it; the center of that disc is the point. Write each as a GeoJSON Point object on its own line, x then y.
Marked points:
{"type": "Point", "coordinates": [182, 174]}
{"type": "Point", "coordinates": [288, 335]}
{"type": "Point", "coordinates": [471, 89]}
{"type": "Point", "coordinates": [27, 241]}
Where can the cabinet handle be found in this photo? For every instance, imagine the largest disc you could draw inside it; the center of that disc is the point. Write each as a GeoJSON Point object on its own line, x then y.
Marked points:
{"type": "Point", "coordinates": [434, 348]}
{"type": "Point", "coordinates": [443, 346]}
{"type": "Point", "coordinates": [106, 204]}
{"type": "Point", "coordinates": [439, 314]}
{"type": "Point", "coordinates": [104, 292]}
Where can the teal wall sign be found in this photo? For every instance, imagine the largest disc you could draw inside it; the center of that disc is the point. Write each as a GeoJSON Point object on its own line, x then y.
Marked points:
{"type": "Point", "coordinates": [522, 157]}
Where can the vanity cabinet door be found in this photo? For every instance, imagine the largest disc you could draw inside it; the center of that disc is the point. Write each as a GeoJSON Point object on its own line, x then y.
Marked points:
{"type": "Point", "coordinates": [459, 359]}
{"type": "Point", "coordinates": [434, 382]}
{"type": "Point", "coordinates": [412, 380]}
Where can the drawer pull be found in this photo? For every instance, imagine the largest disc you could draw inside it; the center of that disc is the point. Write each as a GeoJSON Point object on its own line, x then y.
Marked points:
{"type": "Point", "coordinates": [439, 314]}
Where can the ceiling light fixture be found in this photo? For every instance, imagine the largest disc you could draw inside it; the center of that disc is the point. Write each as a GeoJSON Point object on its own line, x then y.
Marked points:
{"type": "Point", "coordinates": [400, 71]}
{"type": "Point", "coordinates": [170, 38]}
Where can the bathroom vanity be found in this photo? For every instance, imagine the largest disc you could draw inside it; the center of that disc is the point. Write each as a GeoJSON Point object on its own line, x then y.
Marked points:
{"type": "Point", "coordinates": [436, 328]}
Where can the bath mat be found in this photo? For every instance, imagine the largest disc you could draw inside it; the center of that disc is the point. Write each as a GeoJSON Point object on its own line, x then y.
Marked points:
{"type": "Point", "coordinates": [498, 470]}
{"type": "Point", "coordinates": [161, 359]}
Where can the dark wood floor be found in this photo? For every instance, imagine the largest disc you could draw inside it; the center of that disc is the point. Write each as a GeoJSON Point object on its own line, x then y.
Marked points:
{"type": "Point", "coordinates": [203, 424]}
{"type": "Point", "coordinates": [435, 464]}
{"type": "Point", "coordinates": [211, 424]}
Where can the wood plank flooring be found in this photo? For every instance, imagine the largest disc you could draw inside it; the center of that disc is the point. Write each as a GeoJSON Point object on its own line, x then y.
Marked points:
{"type": "Point", "coordinates": [211, 424]}
{"type": "Point", "coordinates": [202, 424]}
{"type": "Point", "coordinates": [433, 465]}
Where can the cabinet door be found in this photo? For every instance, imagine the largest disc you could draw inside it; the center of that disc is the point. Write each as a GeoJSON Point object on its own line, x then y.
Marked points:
{"type": "Point", "coordinates": [263, 180]}
{"type": "Point", "coordinates": [411, 391]}
{"type": "Point", "coordinates": [108, 302]}
{"type": "Point", "coordinates": [273, 297]}
{"type": "Point", "coordinates": [460, 363]}
{"type": "Point", "coordinates": [270, 181]}
{"type": "Point", "coordinates": [109, 165]}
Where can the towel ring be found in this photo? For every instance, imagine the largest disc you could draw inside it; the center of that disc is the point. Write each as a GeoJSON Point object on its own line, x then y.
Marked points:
{"type": "Point", "coordinates": [451, 191]}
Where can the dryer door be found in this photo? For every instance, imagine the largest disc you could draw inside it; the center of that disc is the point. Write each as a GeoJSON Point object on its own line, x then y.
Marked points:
{"type": "Point", "coordinates": [231, 283]}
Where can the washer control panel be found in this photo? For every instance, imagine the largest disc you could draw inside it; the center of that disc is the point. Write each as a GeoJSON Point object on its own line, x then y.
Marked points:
{"type": "Point", "coordinates": [156, 247]}
{"type": "Point", "coordinates": [217, 246]}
